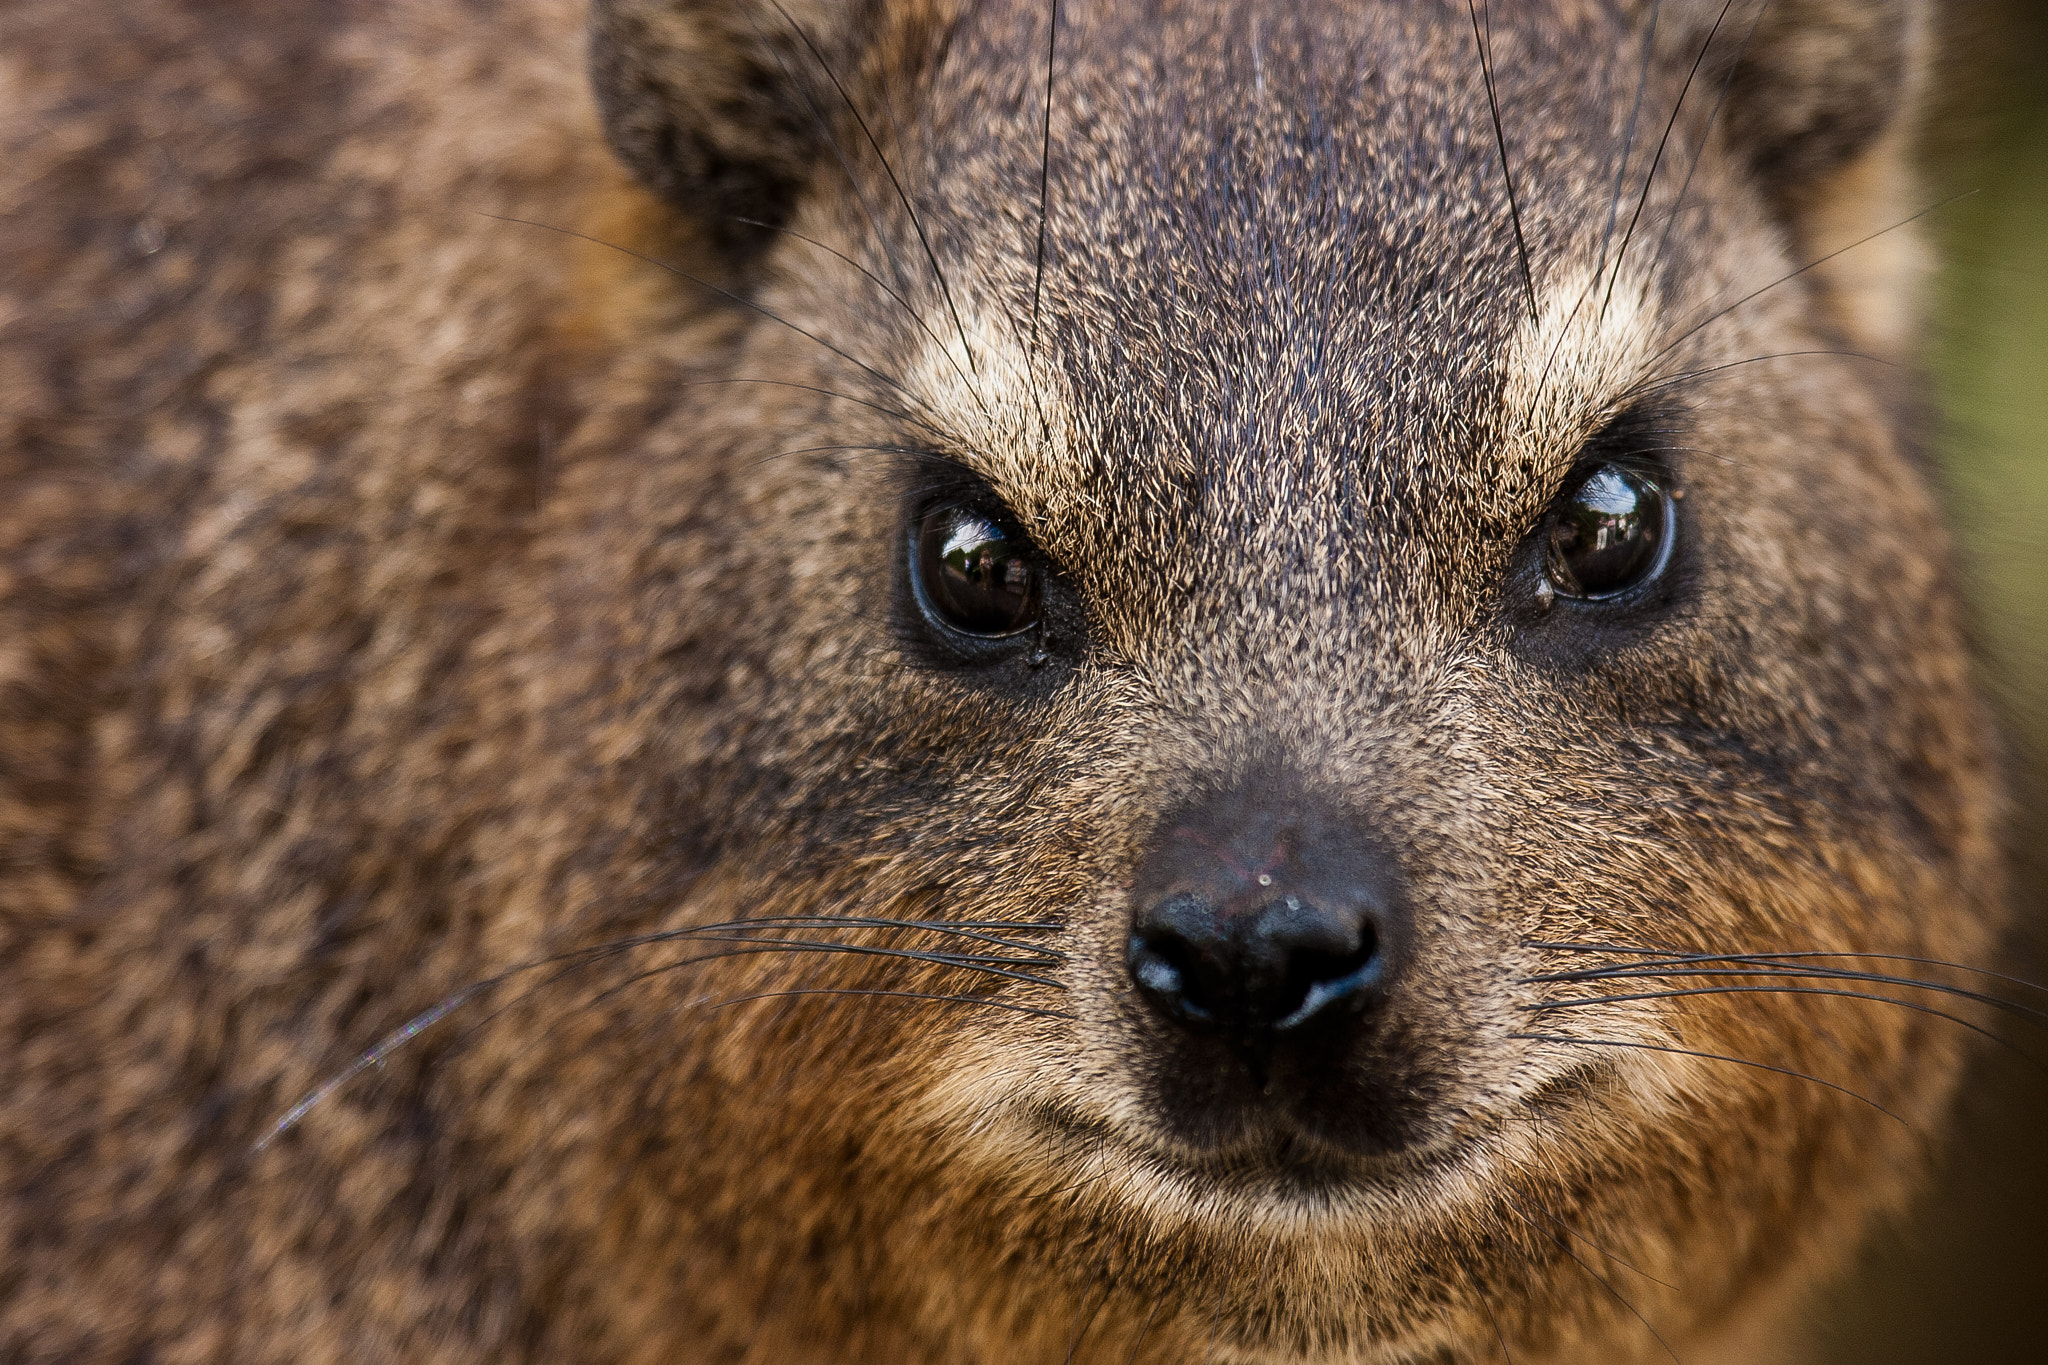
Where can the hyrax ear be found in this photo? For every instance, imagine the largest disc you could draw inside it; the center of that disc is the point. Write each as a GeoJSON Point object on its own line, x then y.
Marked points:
{"type": "Point", "coordinates": [722, 106]}
{"type": "Point", "coordinates": [1822, 104]}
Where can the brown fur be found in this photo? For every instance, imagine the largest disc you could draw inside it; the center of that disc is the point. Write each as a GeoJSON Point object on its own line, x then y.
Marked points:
{"type": "Point", "coordinates": [396, 594]}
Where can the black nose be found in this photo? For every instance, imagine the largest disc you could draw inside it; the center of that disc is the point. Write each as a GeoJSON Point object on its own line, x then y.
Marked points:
{"type": "Point", "coordinates": [1274, 951]}
{"type": "Point", "coordinates": [1269, 967]}
{"type": "Point", "coordinates": [1251, 921]}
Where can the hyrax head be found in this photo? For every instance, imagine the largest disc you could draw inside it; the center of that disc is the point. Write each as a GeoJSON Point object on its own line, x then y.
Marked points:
{"type": "Point", "coordinates": [1344, 653]}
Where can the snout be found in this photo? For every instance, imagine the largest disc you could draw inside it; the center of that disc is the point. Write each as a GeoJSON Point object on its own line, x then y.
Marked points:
{"type": "Point", "coordinates": [1253, 955]}
{"type": "Point", "coordinates": [1269, 934]}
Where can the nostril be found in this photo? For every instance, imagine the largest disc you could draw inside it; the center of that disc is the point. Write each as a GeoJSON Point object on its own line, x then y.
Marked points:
{"type": "Point", "coordinates": [1316, 979]}
{"type": "Point", "coordinates": [1180, 958]}
{"type": "Point", "coordinates": [1266, 969]}
{"type": "Point", "coordinates": [1166, 968]}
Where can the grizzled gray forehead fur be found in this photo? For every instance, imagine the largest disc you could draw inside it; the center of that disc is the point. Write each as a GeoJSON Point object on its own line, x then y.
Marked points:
{"type": "Point", "coordinates": [1281, 280]}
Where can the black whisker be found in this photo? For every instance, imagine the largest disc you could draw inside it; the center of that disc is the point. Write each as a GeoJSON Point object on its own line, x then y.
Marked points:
{"type": "Point", "coordinates": [620, 987]}
{"type": "Point", "coordinates": [882, 408]}
{"type": "Point", "coordinates": [981, 930]}
{"type": "Point", "coordinates": [1579, 1002]}
{"type": "Point", "coordinates": [1602, 1281]}
{"type": "Point", "coordinates": [1081, 1333]}
{"type": "Point", "coordinates": [1708, 1056]}
{"type": "Point", "coordinates": [752, 948]}
{"type": "Point", "coordinates": [1658, 160]}
{"type": "Point", "coordinates": [373, 1056]}
{"type": "Point", "coordinates": [878, 281]}
{"type": "Point", "coordinates": [991, 965]}
{"type": "Point", "coordinates": [1628, 142]}
{"type": "Point", "coordinates": [722, 292]}
{"type": "Point", "coordinates": [1688, 376]}
{"type": "Point", "coordinates": [1707, 131]}
{"type": "Point", "coordinates": [1052, 37]}
{"type": "Point", "coordinates": [1677, 956]}
{"type": "Point", "coordinates": [1634, 972]}
{"type": "Point", "coordinates": [1613, 208]}
{"type": "Point", "coordinates": [1492, 1317]}
{"type": "Point", "coordinates": [1144, 1332]}
{"type": "Point", "coordinates": [1500, 138]}
{"type": "Point", "coordinates": [825, 131]}
{"type": "Point", "coordinates": [916, 224]}
{"type": "Point", "coordinates": [578, 958]}
{"type": "Point", "coordinates": [1564, 332]}
{"type": "Point", "coordinates": [898, 995]}
{"type": "Point", "coordinates": [1787, 278]}
{"type": "Point", "coordinates": [419, 1023]}
{"type": "Point", "coordinates": [1574, 1233]}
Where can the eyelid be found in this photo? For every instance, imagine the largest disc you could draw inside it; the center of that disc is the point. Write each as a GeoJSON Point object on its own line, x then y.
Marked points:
{"type": "Point", "coordinates": [926, 477]}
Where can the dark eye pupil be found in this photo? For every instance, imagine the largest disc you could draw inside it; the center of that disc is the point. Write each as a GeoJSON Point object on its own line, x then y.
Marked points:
{"type": "Point", "coordinates": [1608, 535]}
{"type": "Point", "coordinates": [976, 577]}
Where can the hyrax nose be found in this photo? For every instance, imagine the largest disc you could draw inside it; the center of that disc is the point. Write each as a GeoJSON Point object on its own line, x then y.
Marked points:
{"type": "Point", "coordinates": [1252, 924]}
{"type": "Point", "coordinates": [1267, 969]}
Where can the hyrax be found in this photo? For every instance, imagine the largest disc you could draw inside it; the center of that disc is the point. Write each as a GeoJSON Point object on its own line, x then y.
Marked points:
{"type": "Point", "coordinates": [1202, 682]}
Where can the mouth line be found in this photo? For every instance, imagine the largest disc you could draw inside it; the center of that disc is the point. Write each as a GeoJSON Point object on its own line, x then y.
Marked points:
{"type": "Point", "coordinates": [1281, 1164]}
{"type": "Point", "coordinates": [1275, 1164]}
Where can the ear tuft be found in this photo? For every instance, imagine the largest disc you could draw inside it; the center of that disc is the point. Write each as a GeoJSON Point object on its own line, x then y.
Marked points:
{"type": "Point", "coordinates": [1821, 82]}
{"type": "Point", "coordinates": [1814, 82]}
{"type": "Point", "coordinates": [1822, 104]}
{"type": "Point", "coordinates": [722, 106]}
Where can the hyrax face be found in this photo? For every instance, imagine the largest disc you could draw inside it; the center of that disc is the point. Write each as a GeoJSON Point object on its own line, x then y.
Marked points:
{"type": "Point", "coordinates": [1268, 684]}
{"type": "Point", "coordinates": [1302, 605]}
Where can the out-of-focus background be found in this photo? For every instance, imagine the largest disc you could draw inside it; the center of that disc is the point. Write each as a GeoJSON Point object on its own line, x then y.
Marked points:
{"type": "Point", "coordinates": [1964, 1281]}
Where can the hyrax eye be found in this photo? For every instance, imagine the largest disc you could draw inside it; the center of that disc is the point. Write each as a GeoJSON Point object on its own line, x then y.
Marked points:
{"type": "Point", "coordinates": [1610, 533]}
{"type": "Point", "coordinates": [974, 576]}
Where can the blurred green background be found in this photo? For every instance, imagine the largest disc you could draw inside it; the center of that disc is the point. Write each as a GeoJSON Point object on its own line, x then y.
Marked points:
{"type": "Point", "coordinates": [1964, 1280]}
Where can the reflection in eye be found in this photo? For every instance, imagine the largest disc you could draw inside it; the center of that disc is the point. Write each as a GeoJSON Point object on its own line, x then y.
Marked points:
{"type": "Point", "coordinates": [975, 577]}
{"type": "Point", "coordinates": [1609, 534]}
